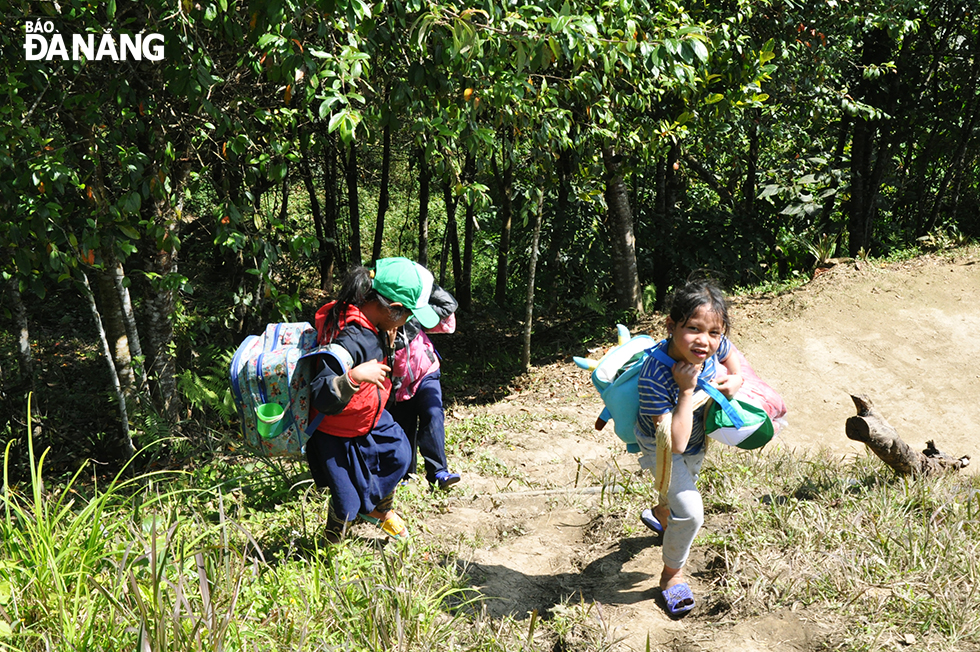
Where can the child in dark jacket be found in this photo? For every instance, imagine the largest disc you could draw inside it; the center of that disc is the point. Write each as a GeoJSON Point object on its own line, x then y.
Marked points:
{"type": "Point", "coordinates": [358, 450]}
{"type": "Point", "coordinates": [418, 405]}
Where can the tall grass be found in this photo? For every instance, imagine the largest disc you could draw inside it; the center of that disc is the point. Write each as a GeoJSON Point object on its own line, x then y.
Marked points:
{"type": "Point", "coordinates": [149, 563]}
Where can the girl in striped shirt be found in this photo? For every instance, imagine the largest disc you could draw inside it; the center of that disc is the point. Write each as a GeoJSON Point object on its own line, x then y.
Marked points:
{"type": "Point", "coordinates": [697, 342]}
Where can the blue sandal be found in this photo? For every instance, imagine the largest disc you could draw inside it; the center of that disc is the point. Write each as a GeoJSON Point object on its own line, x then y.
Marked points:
{"type": "Point", "coordinates": [651, 521]}
{"type": "Point", "coordinates": [678, 599]}
{"type": "Point", "coordinates": [446, 479]}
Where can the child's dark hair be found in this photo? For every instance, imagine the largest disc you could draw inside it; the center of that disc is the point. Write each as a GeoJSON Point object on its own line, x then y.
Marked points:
{"type": "Point", "coordinates": [695, 293]}
{"type": "Point", "coordinates": [357, 290]}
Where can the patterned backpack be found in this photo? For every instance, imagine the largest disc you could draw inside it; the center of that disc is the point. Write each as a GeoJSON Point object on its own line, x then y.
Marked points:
{"type": "Point", "coordinates": [276, 367]}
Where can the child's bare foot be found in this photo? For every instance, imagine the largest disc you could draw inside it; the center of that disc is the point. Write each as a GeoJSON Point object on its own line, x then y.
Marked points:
{"type": "Point", "coordinates": [671, 576]}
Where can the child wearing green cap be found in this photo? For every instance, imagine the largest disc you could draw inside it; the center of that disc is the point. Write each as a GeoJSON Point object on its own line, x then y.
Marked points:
{"type": "Point", "coordinates": [416, 376]}
{"type": "Point", "coordinates": [358, 451]}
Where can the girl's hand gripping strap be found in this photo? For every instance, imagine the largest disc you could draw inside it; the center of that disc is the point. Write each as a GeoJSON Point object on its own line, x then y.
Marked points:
{"type": "Point", "coordinates": [708, 388]}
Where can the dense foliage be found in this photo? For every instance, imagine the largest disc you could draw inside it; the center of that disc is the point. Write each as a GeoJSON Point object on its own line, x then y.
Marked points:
{"type": "Point", "coordinates": [603, 149]}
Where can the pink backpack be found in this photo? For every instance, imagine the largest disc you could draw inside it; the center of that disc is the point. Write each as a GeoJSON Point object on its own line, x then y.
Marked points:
{"type": "Point", "coordinates": [418, 359]}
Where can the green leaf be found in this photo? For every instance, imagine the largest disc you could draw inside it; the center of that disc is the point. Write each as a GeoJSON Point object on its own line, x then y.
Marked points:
{"type": "Point", "coordinates": [132, 204]}
{"type": "Point", "coordinates": [266, 39]}
{"type": "Point", "coordinates": [769, 191]}
{"type": "Point", "coordinates": [129, 232]}
{"type": "Point", "coordinates": [700, 51]}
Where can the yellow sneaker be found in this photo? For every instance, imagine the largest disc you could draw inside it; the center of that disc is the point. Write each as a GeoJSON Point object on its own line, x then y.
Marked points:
{"type": "Point", "coordinates": [392, 525]}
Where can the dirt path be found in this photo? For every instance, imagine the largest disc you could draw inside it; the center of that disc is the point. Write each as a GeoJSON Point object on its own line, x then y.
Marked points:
{"type": "Point", "coordinates": [901, 333]}
{"type": "Point", "coordinates": [905, 334]}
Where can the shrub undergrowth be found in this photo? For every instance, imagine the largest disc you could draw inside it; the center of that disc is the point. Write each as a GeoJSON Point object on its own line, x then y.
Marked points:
{"type": "Point", "coordinates": [231, 556]}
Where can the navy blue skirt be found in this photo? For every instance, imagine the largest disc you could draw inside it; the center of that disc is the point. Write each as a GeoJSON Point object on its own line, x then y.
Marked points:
{"type": "Point", "coordinates": [360, 471]}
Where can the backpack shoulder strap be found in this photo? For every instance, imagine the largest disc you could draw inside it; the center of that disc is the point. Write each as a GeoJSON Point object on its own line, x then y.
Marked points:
{"type": "Point", "coordinates": [708, 388]}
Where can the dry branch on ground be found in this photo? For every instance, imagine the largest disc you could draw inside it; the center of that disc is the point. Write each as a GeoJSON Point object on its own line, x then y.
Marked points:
{"type": "Point", "coordinates": [870, 428]}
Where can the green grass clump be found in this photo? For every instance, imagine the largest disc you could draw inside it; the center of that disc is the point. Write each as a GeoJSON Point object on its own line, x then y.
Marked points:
{"type": "Point", "coordinates": [154, 563]}
{"type": "Point", "coordinates": [897, 554]}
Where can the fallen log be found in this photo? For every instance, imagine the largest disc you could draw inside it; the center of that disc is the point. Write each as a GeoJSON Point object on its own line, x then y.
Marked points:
{"type": "Point", "coordinates": [871, 429]}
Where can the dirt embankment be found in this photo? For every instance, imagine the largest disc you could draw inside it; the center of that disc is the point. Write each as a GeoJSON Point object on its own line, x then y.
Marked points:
{"type": "Point", "coordinates": [903, 333]}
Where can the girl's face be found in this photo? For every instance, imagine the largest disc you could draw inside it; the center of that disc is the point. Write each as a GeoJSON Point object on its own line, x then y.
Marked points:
{"type": "Point", "coordinates": [698, 338]}
{"type": "Point", "coordinates": [385, 318]}
{"type": "Point", "coordinates": [393, 318]}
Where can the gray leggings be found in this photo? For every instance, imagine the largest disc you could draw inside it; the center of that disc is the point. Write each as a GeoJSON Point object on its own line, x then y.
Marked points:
{"type": "Point", "coordinates": [683, 498]}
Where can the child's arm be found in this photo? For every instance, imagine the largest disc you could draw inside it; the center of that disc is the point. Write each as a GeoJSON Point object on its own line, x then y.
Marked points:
{"type": "Point", "coordinates": [337, 380]}
{"type": "Point", "coordinates": [372, 371]}
{"type": "Point", "coordinates": [686, 377]}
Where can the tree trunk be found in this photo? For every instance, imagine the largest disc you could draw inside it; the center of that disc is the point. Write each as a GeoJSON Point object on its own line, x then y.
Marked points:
{"type": "Point", "coordinates": [532, 266]}
{"type": "Point", "coordinates": [868, 147]}
{"type": "Point", "coordinates": [455, 253]}
{"type": "Point", "coordinates": [383, 193]}
{"type": "Point", "coordinates": [870, 428]}
{"type": "Point", "coordinates": [126, 439]}
{"type": "Point", "coordinates": [424, 178]}
{"type": "Point", "coordinates": [857, 207]}
{"type": "Point", "coordinates": [957, 166]}
{"type": "Point", "coordinates": [559, 230]}
{"type": "Point", "coordinates": [450, 245]}
{"type": "Point", "coordinates": [114, 324]}
{"type": "Point", "coordinates": [353, 206]}
{"type": "Point", "coordinates": [464, 285]}
{"type": "Point", "coordinates": [326, 245]}
{"type": "Point", "coordinates": [160, 247]}
{"type": "Point", "coordinates": [625, 273]}
{"type": "Point", "coordinates": [129, 317]}
{"type": "Point", "coordinates": [504, 176]}
{"type": "Point", "coordinates": [160, 304]}
{"type": "Point", "coordinates": [450, 205]}
{"type": "Point", "coordinates": [25, 361]}
{"type": "Point", "coordinates": [284, 206]}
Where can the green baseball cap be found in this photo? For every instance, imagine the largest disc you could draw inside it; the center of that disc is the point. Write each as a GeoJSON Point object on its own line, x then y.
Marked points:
{"type": "Point", "coordinates": [408, 283]}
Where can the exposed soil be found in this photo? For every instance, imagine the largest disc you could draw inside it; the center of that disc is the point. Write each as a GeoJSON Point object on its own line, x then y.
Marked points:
{"type": "Point", "coordinates": [901, 333]}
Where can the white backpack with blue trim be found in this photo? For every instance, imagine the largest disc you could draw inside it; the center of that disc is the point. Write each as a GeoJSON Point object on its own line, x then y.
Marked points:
{"type": "Point", "coordinates": [277, 367]}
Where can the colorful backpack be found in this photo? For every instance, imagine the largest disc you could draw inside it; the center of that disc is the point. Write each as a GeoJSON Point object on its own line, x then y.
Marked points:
{"type": "Point", "coordinates": [276, 368]}
{"type": "Point", "coordinates": [748, 421]}
{"type": "Point", "coordinates": [615, 377]}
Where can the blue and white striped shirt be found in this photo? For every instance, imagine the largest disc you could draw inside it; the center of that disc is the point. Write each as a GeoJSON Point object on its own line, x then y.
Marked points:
{"type": "Point", "coordinates": [659, 392]}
